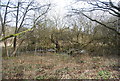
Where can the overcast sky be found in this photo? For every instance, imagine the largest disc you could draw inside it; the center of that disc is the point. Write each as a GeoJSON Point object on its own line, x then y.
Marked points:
{"type": "Point", "coordinates": [61, 6]}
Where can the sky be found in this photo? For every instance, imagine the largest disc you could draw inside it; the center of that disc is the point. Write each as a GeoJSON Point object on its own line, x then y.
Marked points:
{"type": "Point", "coordinates": [61, 6]}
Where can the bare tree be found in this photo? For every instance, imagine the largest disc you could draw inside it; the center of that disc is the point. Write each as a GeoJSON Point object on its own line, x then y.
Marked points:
{"type": "Point", "coordinates": [101, 6]}
{"type": "Point", "coordinates": [3, 23]}
{"type": "Point", "coordinates": [27, 9]}
{"type": "Point", "coordinates": [21, 14]}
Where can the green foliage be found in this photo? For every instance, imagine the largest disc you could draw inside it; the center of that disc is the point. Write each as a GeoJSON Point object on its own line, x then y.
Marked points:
{"type": "Point", "coordinates": [40, 77]}
{"type": "Point", "coordinates": [96, 59]}
{"type": "Point", "coordinates": [104, 74]}
{"type": "Point", "coordinates": [80, 61]}
{"type": "Point", "coordinates": [7, 58]}
{"type": "Point", "coordinates": [62, 70]}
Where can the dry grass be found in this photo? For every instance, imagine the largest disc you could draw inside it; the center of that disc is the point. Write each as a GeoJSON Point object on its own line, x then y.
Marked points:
{"type": "Point", "coordinates": [57, 66]}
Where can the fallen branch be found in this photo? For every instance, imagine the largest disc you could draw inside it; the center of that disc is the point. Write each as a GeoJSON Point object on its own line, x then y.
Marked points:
{"type": "Point", "coordinates": [13, 35]}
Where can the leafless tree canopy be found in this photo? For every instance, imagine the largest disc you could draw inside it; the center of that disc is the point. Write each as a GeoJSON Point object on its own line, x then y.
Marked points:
{"type": "Point", "coordinates": [109, 7]}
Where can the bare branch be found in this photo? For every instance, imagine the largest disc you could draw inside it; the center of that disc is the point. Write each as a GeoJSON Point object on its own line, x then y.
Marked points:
{"type": "Point", "coordinates": [43, 13]}
{"type": "Point", "coordinates": [7, 6]}
{"type": "Point", "coordinates": [78, 12]}
{"type": "Point", "coordinates": [106, 6]}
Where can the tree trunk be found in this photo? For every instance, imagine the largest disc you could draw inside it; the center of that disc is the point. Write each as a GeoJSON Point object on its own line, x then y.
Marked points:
{"type": "Point", "coordinates": [16, 48]}
{"type": "Point", "coordinates": [6, 50]}
{"type": "Point", "coordinates": [77, 37]}
{"type": "Point", "coordinates": [14, 42]}
{"type": "Point", "coordinates": [55, 41]}
{"type": "Point", "coordinates": [57, 46]}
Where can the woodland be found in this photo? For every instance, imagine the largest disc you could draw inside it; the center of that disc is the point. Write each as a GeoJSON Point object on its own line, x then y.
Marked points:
{"type": "Point", "coordinates": [38, 43]}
